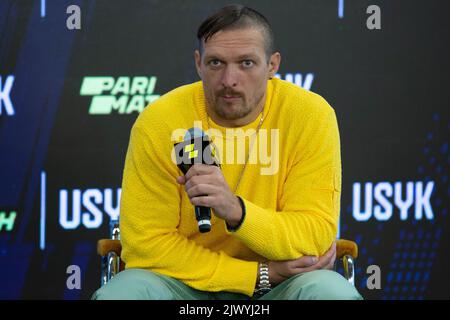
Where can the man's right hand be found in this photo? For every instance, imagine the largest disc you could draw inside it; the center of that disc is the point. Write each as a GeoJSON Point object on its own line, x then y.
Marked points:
{"type": "Point", "coordinates": [282, 270]}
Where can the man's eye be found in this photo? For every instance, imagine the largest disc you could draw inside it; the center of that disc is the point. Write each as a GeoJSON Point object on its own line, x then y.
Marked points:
{"type": "Point", "coordinates": [247, 63]}
{"type": "Point", "coordinates": [214, 63]}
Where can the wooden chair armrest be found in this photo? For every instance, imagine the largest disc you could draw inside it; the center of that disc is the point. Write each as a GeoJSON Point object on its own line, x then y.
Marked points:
{"type": "Point", "coordinates": [104, 246]}
{"type": "Point", "coordinates": [346, 247]}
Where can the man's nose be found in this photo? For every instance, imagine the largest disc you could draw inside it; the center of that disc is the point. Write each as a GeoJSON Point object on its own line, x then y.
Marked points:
{"type": "Point", "coordinates": [230, 77]}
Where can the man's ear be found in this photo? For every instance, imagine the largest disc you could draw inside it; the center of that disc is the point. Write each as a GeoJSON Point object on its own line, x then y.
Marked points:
{"type": "Point", "coordinates": [274, 64]}
{"type": "Point", "coordinates": [198, 62]}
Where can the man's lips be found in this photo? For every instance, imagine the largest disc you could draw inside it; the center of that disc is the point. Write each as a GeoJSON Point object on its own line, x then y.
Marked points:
{"type": "Point", "coordinates": [227, 97]}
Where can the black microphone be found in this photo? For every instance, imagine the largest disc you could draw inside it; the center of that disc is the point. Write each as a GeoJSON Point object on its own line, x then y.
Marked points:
{"type": "Point", "coordinates": [196, 148]}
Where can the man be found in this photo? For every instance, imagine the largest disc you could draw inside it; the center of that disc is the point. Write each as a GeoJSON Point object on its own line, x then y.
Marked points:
{"type": "Point", "coordinates": [272, 216]}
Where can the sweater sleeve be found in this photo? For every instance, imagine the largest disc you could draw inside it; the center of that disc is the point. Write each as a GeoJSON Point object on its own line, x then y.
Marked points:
{"type": "Point", "coordinates": [150, 214]}
{"type": "Point", "coordinates": [306, 223]}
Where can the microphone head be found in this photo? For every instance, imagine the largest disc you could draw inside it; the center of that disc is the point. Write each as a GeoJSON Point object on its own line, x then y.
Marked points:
{"type": "Point", "coordinates": [195, 148]}
{"type": "Point", "coordinates": [193, 133]}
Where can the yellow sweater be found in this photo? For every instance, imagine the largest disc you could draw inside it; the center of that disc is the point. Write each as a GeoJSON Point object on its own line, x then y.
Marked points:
{"type": "Point", "coordinates": [292, 208]}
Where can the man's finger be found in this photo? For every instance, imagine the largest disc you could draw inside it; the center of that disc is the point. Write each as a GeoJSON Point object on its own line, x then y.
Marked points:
{"type": "Point", "coordinates": [328, 259]}
{"type": "Point", "coordinates": [198, 169]}
{"type": "Point", "coordinates": [329, 254]}
{"type": "Point", "coordinates": [196, 180]}
{"type": "Point", "coordinates": [181, 180]}
{"type": "Point", "coordinates": [333, 259]}
{"type": "Point", "coordinates": [330, 265]}
{"type": "Point", "coordinates": [204, 201]}
{"type": "Point", "coordinates": [305, 262]}
{"type": "Point", "coordinates": [333, 247]}
{"type": "Point", "coordinates": [201, 190]}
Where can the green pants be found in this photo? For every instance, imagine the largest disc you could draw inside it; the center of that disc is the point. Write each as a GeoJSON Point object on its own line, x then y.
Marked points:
{"type": "Point", "coordinates": [138, 284]}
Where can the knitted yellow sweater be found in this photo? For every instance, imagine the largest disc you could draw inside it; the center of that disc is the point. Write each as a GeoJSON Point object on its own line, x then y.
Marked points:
{"type": "Point", "coordinates": [291, 189]}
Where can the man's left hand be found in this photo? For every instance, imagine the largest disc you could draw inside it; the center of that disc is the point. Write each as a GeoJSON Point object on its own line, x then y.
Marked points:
{"type": "Point", "coordinates": [206, 186]}
{"type": "Point", "coordinates": [282, 270]}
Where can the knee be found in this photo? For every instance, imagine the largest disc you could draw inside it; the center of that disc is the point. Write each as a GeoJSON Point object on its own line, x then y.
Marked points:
{"type": "Point", "coordinates": [323, 285]}
{"type": "Point", "coordinates": [134, 284]}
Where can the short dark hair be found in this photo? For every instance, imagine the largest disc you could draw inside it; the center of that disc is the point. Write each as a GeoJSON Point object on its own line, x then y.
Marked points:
{"type": "Point", "coordinates": [236, 16]}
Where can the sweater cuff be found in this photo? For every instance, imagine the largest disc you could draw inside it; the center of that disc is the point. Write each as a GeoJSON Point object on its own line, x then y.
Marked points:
{"type": "Point", "coordinates": [232, 229]}
{"type": "Point", "coordinates": [256, 226]}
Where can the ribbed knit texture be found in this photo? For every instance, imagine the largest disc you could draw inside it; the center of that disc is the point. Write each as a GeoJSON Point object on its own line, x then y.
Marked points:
{"type": "Point", "coordinates": [290, 213]}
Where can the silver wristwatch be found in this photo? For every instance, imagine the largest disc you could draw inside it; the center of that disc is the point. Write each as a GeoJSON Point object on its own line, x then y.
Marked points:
{"type": "Point", "coordinates": [263, 285]}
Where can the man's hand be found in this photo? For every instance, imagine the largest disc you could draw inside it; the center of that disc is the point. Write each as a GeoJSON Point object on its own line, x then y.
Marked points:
{"type": "Point", "coordinates": [282, 270]}
{"type": "Point", "coordinates": [206, 186]}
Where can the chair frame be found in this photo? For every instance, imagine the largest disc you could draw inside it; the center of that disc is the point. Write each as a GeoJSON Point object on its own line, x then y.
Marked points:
{"type": "Point", "coordinates": [111, 249]}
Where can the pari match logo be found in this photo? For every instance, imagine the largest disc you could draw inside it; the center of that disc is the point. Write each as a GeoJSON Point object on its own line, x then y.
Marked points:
{"type": "Point", "coordinates": [122, 95]}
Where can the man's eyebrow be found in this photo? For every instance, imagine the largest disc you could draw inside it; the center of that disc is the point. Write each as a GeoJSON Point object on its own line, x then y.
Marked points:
{"type": "Point", "coordinates": [248, 56]}
{"type": "Point", "coordinates": [239, 58]}
{"type": "Point", "coordinates": [213, 56]}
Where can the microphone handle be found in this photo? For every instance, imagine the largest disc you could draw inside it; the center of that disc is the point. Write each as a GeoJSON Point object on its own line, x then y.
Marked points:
{"type": "Point", "coordinates": [203, 216]}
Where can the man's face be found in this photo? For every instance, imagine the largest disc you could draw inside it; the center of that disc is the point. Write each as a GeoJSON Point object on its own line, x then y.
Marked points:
{"type": "Point", "coordinates": [234, 69]}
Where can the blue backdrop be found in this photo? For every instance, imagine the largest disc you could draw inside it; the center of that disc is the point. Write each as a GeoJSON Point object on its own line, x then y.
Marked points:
{"type": "Point", "coordinates": [64, 131]}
